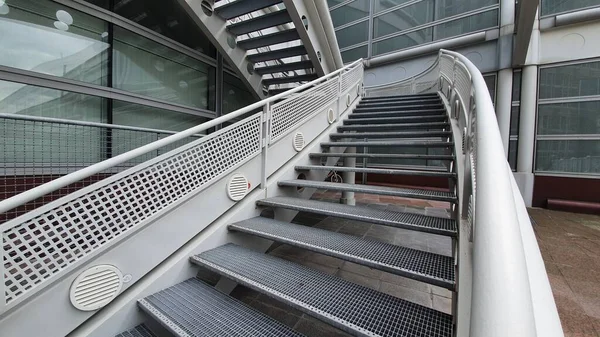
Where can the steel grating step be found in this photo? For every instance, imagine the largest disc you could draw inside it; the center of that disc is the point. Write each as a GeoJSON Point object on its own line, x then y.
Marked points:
{"type": "Point", "coordinates": [400, 101]}
{"type": "Point", "coordinates": [358, 114]}
{"type": "Point", "coordinates": [382, 155]}
{"type": "Point", "coordinates": [371, 189]}
{"type": "Point", "coordinates": [409, 134]}
{"type": "Point", "coordinates": [423, 173]}
{"type": "Point", "coordinates": [239, 8]}
{"type": "Point", "coordinates": [416, 222]}
{"type": "Point", "coordinates": [193, 308]}
{"type": "Point", "coordinates": [356, 309]}
{"type": "Point", "coordinates": [395, 126]}
{"type": "Point", "coordinates": [289, 79]}
{"type": "Point", "coordinates": [398, 104]}
{"type": "Point", "coordinates": [378, 98]}
{"type": "Point", "coordinates": [399, 108]}
{"type": "Point", "coordinates": [407, 119]}
{"type": "Point", "coordinates": [284, 67]}
{"type": "Point", "coordinates": [139, 331]}
{"type": "Point", "coordinates": [387, 144]}
{"type": "Point", "coordinates": [260, 22]}
{"type": "Point", "coordinates": [269, 39]}
{"type": "Point", "coordinates": [415, 264]}
{"type": "Point", "coordinates": [277, 54]}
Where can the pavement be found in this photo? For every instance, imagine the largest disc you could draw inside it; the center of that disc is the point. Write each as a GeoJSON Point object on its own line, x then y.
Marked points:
{"type": "Point", "coordinates": [570, 246]}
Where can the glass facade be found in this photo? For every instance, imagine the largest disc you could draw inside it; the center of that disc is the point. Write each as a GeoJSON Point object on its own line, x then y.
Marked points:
{"type": "Point", "coordinates": [568, 121]}
{"type": "Point", "coordinates": [402, 24]}
{"type": "Point", "coordinates": [549, 7]}
{"type": "Point", "coordinates": [515, 114]}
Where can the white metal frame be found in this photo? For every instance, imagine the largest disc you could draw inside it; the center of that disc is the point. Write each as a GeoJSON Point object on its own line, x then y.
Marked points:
{"type": "Point", "coordinates": [510, 294]}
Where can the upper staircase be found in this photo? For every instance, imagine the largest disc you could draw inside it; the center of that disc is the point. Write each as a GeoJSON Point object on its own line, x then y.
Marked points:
{"type": "Point", "coordinates": [157, 249]}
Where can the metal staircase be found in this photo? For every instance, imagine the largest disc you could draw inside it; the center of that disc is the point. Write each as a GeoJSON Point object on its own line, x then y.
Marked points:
{"type": "Point", "coordinates": [124, 256]}
{"type": "Point", "coordinates": [353, 308]}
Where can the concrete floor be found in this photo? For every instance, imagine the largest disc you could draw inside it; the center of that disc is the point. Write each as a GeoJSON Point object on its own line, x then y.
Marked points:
{"type": "Point", "coordinates": [570, 245]}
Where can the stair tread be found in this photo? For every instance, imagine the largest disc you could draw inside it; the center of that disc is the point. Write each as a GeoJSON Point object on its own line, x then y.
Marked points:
{"type": "Point", "coordinates": [346, 305]}
{"type": "Point", "coordinates": [193, 308]}
{"type": "Point", "coordinates": [364, 105]}
{"type": "Point", "coordinates": [359, 114]}
{"type": "Point", "coordinates": [416, 264]}
{"type": "Point", "coordinates": [394, 126]}
{"type": "Point", "coordinates": [401, 107]}
{"type": "Point", "coordinates": [412, 221]}
{"type": "Point", "coordinates": [238, 8]}
{"type": "Point", "coordinates": [371, 189]}
{"type": "Point", "coordinates": [388, 144]}
{"type": "Point", "coordinates": [277, 54]}
{"type": "Point", "coordinates": [382, 155]}
{"type": "Point", "coordinates": [260, 22]}
{"type": "Point", "coordinates": [427, 173]}
{"type": "Point", "coordinates": [392, 100]}
{"type": "Point", "coordinates": [289, 79]}
{"type": "Point", "coordinates": [409, 134]}
{"type": "Point", "coordinates": [375, 98]}
{"type": "Point", "coordinates": [394, 119]}
{"type": "Point", "coordinates": [138, 331]}
{"type": "Point", "coordinates": [284, 67]}
{"type": "Point", "coordinates": [269, 39]}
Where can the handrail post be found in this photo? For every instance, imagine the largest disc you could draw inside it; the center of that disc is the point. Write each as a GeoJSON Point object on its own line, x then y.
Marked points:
{"type": "Point", "coordinates": [265, 139]}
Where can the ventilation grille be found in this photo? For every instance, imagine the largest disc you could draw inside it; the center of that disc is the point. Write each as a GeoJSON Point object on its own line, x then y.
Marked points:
{"type": "Point", "coordinates": [237, 187]}
{"type": "Point", "coordinates": [96, 287]}
{"type": "Point", "coordinates": [330, 116]}
{"type": "Point", "coordinates": [298, 141]}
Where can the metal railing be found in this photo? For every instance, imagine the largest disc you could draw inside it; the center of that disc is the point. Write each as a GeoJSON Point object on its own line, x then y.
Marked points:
{"type": "Point", "coordinates": [510, 293]}
{"type": "Point", "coordinates": [49, 241]}
{"type": "Point", "coordinates": [35, 150]}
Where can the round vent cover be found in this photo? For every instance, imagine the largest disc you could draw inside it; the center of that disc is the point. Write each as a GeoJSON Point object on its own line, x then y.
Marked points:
{"type": "Point", "coordinates": [348, 100]}
{"type": "Point", "coordinates": [96, 287]}
{"type": "Point", "coordinates": [298, 141]}
{"type": "Point", "coordinates": [330, 116]}
{"type": "Point", "coordinates": [358, 90]}
{"type": "Point", "coordinates": [237, 187]}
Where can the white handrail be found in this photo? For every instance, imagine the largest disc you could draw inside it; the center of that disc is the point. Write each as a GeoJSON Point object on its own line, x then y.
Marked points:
{"type": "Point", "coordinates": [41, 190]}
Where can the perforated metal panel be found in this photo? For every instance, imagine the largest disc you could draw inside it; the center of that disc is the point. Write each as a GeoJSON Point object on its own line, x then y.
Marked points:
{"type": "Point", "coordinates": [447, 67]}
{"type": "Point", "coordinates": [96, 287]}
{"type": "Point", "coordinates": [463, 85]}
{"type": "Point", "coordinates": [349, 306]}
{"type": "Point", "coordinates": [41, 244]}
{"type": "Point", "coordinates": [288, 113]}
{"type": "Point", "coordinates": [352, 77]}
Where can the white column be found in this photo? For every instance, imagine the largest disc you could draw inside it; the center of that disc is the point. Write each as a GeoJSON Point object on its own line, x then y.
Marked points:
{"type": "Point", "coordinates": [504, 105]}
{"type": "Point", "coordinates": [527, 120]}
{"type": "Point", "coordinates": [349, 178]}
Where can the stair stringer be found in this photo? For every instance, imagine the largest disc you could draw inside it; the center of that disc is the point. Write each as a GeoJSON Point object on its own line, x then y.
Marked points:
{"type": "Point", "coordinates": [215, 28]}
{"type": "Point", "coordinates": [123, 313]}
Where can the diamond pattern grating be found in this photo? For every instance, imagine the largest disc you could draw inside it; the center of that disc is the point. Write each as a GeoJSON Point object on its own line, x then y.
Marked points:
{"type": "Point", "coordinates": [346, 305]}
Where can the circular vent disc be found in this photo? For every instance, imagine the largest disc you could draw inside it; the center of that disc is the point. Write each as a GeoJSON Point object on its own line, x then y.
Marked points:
{"type": "Point", "coordinates": [330, 116]}
{"type": "Point", "coordinates": [237, 187]}
{"type": "Point", "coordinates": [298, 141]}
{"type": "Point", "coordinates": [96, 287]}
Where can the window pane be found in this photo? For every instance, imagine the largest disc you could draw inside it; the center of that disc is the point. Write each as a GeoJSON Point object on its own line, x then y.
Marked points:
{"type": "Point", "coordinates": [490, 81]}
{"type": "Point", "coordinates": [16, 98]}
{"type": "Point", "coordinates": [352, 35]}
{"type": "Point", "coordinates": [512, 154]}
{"type": "Point", "coordinates": [516, 92]}
{"type": "Point", "coordinates": [167, 18]}
{"type": "Point", "coordinates": [144, 67]}
{"type": "Point", "coordinates": [447, 8]}
{"type": "Point", "coordinates": [403, 41]}
{"type": "Point", "coordinates": [569, 118]}
{"type": "Point", "coordinates": [570, 81]}
{"type": "Point", "coordinates": [235, 94]}
{"type": "Point", "coordinates": [33, 39]}
{"type": "Point", "coordinates": [515, 114]}
{"type": "Point", "coordinates": [381, 5]}
{"type": "Point", "coordinates": [403, 18]}
{"type": "Point", "coordinates": [466, 25]}
{"type": "Point", "coordinates": [332, 3]}
{"type": "Point", "coordinates": [569, 156]}
{"type": "Point", "coordinates": [354, 54]}
{"type": "Point", "coordinates": [350, 12]}
{"type": "Point", "coordinates": [153, 118]}
{"type": "Point", "coordinates": [558, 6]}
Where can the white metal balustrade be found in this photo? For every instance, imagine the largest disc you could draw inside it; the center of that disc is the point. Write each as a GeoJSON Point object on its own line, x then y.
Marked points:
{"type": "Point", "coordinates": [501, 285]}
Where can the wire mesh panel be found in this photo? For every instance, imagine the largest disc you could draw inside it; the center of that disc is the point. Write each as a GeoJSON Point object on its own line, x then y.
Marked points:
{"type": "Point", "coordinates": [463, 85]}
{"type": "Point", "coordinates": [40, 244]}
{"type": "Point", "coordinates": [288, 113]}
{"type": "Point", "coordinates": [33, 152]}
{"type": "Point", "coordinates": [352, 77]}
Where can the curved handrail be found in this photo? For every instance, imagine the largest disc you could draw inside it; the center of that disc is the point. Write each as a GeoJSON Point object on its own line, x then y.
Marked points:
{"type": "Point", "coordinates": [41, 190]}
{"type": "Point", "coordinates": [510, 293]}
